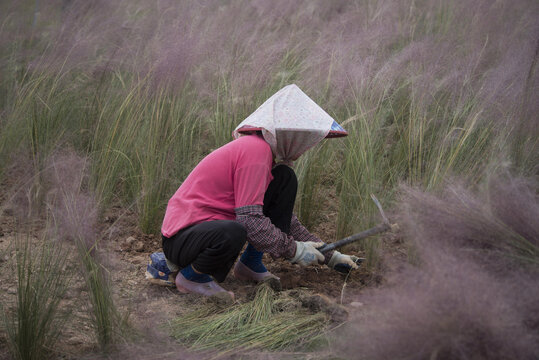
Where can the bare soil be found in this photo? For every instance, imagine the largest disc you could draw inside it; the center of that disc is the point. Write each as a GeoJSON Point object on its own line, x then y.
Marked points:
{"type": "Point", "coordinates": [133, 248]}
{"type": "Point", "coordinates": [126, 249]}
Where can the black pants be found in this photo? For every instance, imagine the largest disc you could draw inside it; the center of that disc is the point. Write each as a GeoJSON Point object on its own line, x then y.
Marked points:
{"type": "Point", "coordinates": [211, 247]}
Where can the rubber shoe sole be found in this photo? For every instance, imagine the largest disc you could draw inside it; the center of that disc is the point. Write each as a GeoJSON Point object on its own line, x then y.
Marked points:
{"type": "Point", "coordinates": [210, 288]}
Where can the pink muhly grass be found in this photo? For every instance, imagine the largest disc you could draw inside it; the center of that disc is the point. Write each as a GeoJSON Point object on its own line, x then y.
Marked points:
{"type": "Point", "coordinates": [473, 293]}
{"type": "Point", "coordinates": [450, 310]}
{"type": "Point", "coordinates": [74, 210]}
{"type": "Point", "coordinates": [479, 47]}
{"type": "Point", "coordinates": [498, 223]}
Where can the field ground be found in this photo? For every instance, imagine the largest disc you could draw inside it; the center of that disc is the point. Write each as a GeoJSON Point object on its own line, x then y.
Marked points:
{"type": "Point", "coordinates": [126, 251]}
{"type": "Point", "coordinates": [106, 107]}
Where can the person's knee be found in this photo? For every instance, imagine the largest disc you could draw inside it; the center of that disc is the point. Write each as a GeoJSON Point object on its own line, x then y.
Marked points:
{"type": "Point", "coordinates": [235, 234]}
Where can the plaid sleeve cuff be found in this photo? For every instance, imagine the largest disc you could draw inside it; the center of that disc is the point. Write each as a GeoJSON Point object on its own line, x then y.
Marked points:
{"type": "Point", "coordinates": [262, 234]}
{"type": "Point", "coordinates": [249, 210]}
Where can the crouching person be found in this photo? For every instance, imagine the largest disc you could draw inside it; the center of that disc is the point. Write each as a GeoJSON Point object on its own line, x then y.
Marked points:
{"type": "Point", "coordinates": [245, 192]}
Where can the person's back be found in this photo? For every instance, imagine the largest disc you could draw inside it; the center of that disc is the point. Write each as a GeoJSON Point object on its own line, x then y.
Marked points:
{"type": "Point", "coordinates": [235, 175]}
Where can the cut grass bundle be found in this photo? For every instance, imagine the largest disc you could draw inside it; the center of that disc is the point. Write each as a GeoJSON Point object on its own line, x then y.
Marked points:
{"type": "Point", "coordinates": [269, 321]}
{"type": "Point", "coordinates": [35, 322]}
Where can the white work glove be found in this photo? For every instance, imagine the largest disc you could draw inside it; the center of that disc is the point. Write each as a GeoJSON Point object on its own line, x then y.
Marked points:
{"type": "Point", "coordinates": [306, 253]}
{"type": "Point", "coordinates": [343, 263]}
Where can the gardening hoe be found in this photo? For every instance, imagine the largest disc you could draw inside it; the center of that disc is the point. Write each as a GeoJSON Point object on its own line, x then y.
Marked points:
{"type": "Point", "coordinates": [380, 228]}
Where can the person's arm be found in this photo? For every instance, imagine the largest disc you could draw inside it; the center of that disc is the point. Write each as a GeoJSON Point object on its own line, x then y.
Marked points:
{"type": "Point", "coordinates": [300, 233]}
{"type": "Point", "coordinates": [263, 235]}
{"type": "Point", "coordinates": [251, 178]}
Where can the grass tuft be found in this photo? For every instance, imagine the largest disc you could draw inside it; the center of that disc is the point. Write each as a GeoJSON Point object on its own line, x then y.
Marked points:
{"type": "Point", "coordinates": [472, 294]}
{"type": "Point", "coordinates": [270, 321]}
{"type": "Point", "coordinates": [74, 211]}
{"type": "Point", "coordinates": [108, 322]}
{"type": "Point", "coordinates": [35, 322]}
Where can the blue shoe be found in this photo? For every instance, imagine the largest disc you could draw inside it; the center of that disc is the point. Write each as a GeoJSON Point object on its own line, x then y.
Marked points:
{"type": "Point", "coordinates": [158, 272]}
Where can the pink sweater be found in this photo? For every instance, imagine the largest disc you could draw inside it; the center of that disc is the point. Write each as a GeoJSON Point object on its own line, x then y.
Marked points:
{"type": "Point", "coordinates": [235, 175]}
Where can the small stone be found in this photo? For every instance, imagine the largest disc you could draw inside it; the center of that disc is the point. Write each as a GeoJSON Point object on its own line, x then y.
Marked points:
{"type": "Point", "coordinates": [74, 340]}
{"type": "Point", "coordinates": [138, 246]}
{"type": "Point", "coordinates": [11, 291]}
{"type": "Point", "coordinates": [110, 219]}
{"type": "Point", "coordinates": [356, 304]}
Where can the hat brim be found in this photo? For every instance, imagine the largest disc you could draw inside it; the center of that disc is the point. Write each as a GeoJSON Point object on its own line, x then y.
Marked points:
{"type": "Point", "coordinates": [336, 134]}
{"type": "Point", "coordinates": [331, 135]}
